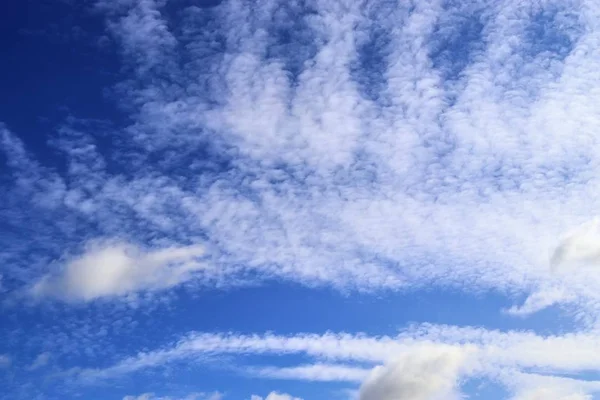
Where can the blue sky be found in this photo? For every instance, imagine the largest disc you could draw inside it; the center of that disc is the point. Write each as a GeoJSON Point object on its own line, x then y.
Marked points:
{"type": "Point", "coordinates": [298, 200]}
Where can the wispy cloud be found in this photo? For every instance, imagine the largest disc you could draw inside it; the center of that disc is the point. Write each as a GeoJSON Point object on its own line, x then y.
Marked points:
{"type": "Point", "coordinates": [427, 374]}
{"type": "Point", "coordinates": [191, 396]}
{"type": "Point", "coordinates": [423, 361]}
{"type": "Point", "coordinates": [118, 269]}
{"type": "Point", "coordinates": [5, 361]}
{"type": "Point", "coordinates": [275, 396]}
{"type": "Point", "coordinates": [533, 387]}
{"type": "Point", "coordinates": [345, 144]}
{"type": "Point", "coordinates": [40, 361]}
{"type": "Point", "coordinates": [315, 373]}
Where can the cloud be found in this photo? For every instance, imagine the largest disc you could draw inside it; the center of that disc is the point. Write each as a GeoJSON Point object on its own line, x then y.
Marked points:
{"type": "Point", "coordinates": [424, 361]}
{"type": "Point", "coordinates": [551, 393]}
{"type": "Point", "coordinates": [40, 361]}
{"type": "Point", "coordinates": [117, 269]}
{"type": "Point", "coordinates": [453, 352]}
{"type": "Point", "coordinates": [428, 373]}
{"type": "Point", "coordinates": [275, 396]}
{"type": "Point", "coordinates": [541, 299]}
{"type": "Point", "coordinates": [5, 361]}
{"type": "Point", "coordinates": [447, 170]}
{"type": "Point", "coordinates": [538, 387]}
{"type": "Point", "coordinates": [315, 373]}
{"type": "Point", "coordinates": [580, 246]}
{"type": "Point", "coordinates": [191, 396]}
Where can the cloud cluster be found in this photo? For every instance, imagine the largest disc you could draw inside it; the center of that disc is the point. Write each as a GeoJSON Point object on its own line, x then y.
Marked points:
{"type": "Point", "coordinates": [358, 145]}
{"type": "Point", "coordinates": [117, 269]}
{"type": "Point", "coordinates": [275, 396]}
{"type": "Point", "coordinates": [191, 396]}
{"type": "Point", "coordinates": [352, 154]}
{"type": "Point", "coordinates": [424, 362]}
{"type": "Point", "coordinates": [533, 387]}
{"type": "Point", "coordinates": [427, 374]}
{"type": "Point", "coordinates": [580, 246]}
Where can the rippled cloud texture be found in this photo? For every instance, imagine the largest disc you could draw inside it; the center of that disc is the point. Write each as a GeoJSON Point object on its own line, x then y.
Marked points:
{"type": "Point", "coordinates": [369, 149]}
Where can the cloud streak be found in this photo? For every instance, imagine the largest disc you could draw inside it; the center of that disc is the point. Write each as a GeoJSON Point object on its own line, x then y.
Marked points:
{"type": "Point", "coordinates": [422, 362]}
{"type": "Point", "coordinates": [118, 269]}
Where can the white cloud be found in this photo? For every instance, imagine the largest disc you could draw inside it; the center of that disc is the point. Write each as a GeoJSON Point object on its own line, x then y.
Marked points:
{"type": "Point", "coordinates": [191, 396]}
{"type": "Point", "coordinates": [541, 387]}
{"type": "Point", "coordinates": [275, 396]}
{"type": "Point", "coordinates": [453, 352]}
{"type": "Point", "coordinates": [425, 374]}
{"type": "Point", "coordinates": [290, 163]}
{"type": "Point", "coordinates": [40, 361]}
{"type": "Point", "coordinates": [117, 269]}
{"type": "Point", "coordinates": [316, 373]}
{"type": "Point", "coordinates": [5, 361]}
{"type": "Point", "coordinates": [333, 186]}
{"type": "Point", "coordinates": [551, 393]}
{"type": "Point", "coordinates": [580, 246]}
{"type": "Point", "coordinates": [541, 299]}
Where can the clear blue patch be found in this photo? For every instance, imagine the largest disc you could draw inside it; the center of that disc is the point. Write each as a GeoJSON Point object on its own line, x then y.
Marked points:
{"type": "Point", "coordinates": [370, 67]}
{"type": "Point", "coordinates": [484, 389]}
{"type": "Point", "coordinates": [454, 43]}
{"type": "Point", "coordinates": [553, 32]}
{"type": "Point", "coordinates": [291, 39]}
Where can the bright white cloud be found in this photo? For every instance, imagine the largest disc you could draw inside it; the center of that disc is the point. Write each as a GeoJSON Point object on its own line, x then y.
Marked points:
{"type": "Point", "coordinates": [541, 387]}
{"type": "Point", "coordinates": [450, 353]}
{"type": "Point", "coordinates": [191, 396]}
{"type": "Point", "coordinates": [541, 299]}
{"type": "Point", "coordinates": [581, 246]}
{"type": "Point", "coordinates": [427, 373]}
{"type": "Point", "coordinates": [117, 269]}
{"type": "Point", "coordinates": [275, 396]}
{"type": "Point", "coordinates": [466, 160]}
{"type": "Point", "coordinates": [316, 373]}
{"type": "Point", "coordinates": [292, 164]}
{"type": "Point", "coordinates": [551, 393]}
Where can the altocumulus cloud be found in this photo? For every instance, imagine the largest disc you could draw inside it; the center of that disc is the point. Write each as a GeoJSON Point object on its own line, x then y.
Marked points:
{"type": "Point", "coordinates": [296, 161]}
{"type": "Point", "coordinates": [364, 146]}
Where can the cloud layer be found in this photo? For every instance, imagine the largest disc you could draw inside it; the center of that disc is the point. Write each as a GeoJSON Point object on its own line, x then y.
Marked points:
{"type": "Point", "coordinates": [363, 146]}
{"type": "Point", "coordinates": [117, 269]}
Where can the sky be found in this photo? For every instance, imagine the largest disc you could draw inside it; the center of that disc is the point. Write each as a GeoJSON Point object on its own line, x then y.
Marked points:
{"type": "Point", "coordinates": [300, 200]}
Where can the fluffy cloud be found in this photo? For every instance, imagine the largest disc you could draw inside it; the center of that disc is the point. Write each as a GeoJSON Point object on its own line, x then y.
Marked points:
{"type": "Point", "coordinates": [551, 393]}
{"type": "Point", "coordinates": [540, 387]}
{"type": "Point", "coordinates": [427, 373]}
{"type": "Point", "coordinates": [315, 373]}
{"type": "Point", "coordinates": [298, 161]}
{"type": "Point", "coordinates": [276, 396]}
{"type": "Point", "coordinates": [315, 168]}
{"type": "Point", "coordinates": [580, 246]}
{"type": "Point", "coordinates": [117, 269]}
{"type": "Point", "coordinates": [191, 396]}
